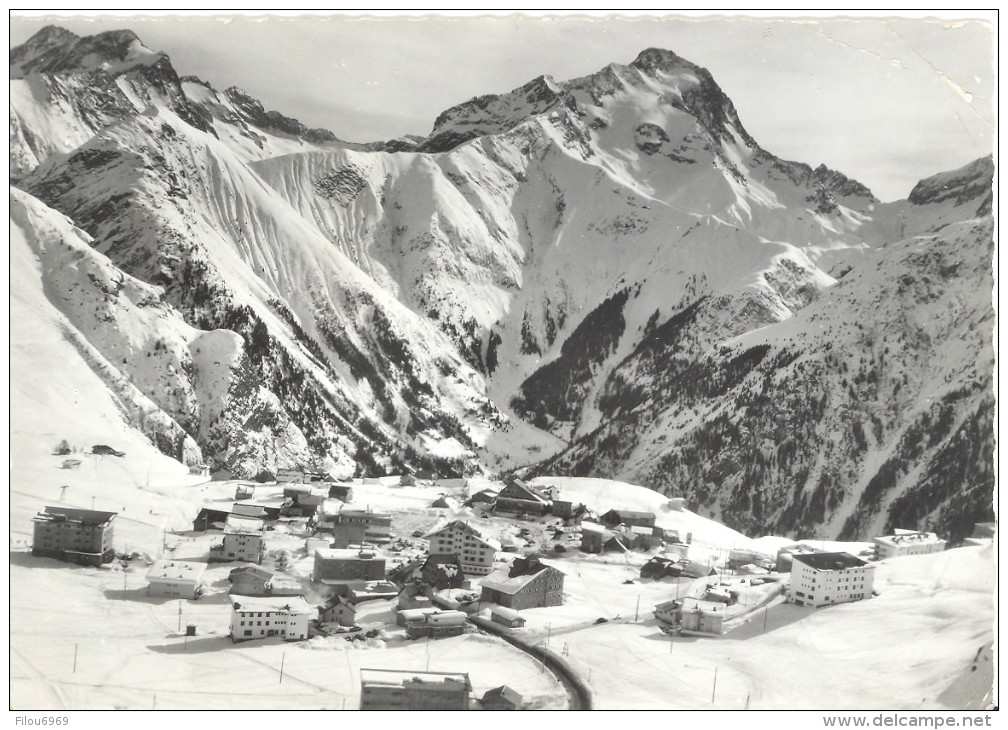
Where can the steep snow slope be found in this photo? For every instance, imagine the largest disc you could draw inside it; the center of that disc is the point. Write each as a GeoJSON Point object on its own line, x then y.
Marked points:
{"type": "Point", "coordinates": [888, 372]}
{"type": "Point", "coordinates": [84, 363]}
{"type": "Point", "coordinates": [193, 217]}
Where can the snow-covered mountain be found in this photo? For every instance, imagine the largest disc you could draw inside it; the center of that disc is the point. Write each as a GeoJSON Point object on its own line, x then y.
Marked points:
{"type": "Point", "coordinates": [606, 276]}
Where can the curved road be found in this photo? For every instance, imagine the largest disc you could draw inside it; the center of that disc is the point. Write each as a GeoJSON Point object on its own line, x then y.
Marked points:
{"type": "Point", "coordinates": [580, 697]}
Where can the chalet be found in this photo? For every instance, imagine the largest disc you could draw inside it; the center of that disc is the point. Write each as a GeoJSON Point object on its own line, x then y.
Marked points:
{"type": "Point", "coordinates": [442, 571]}
{"type": "Point", "coordinates": [175, 579]}
{"type": "Point", "coordinates": [475, 552]}
{"type": "Point", "coordinates": [501, 698]}
{"type": "Point", "coordinates": [251, 580]}
{"type": "Point", "coordinates": [291, 476]}
{"type": "Point", "coordinates": [247, 509]}
{"type": "Point", "coordinates": [506, 617]}
{"type": "Point", "coordinates": [342, 492]}
{"type": "Point", "coordinates": [630, 518]}
{"type": "Point", "coordinates": [260, 617]}
{"type": "Point", "coordinates": [907, 542]}
{"type": "Point", "coordinates": [593, 537]}
{"type": "Point", "coordinates": [640, 537]}
{"type": "Point", "coordinates": [337, 610]}
{"type": "Point", "coordinates": [377, 525]}
{"type": "Point", "coordinates": [483, 496]}
{"type": "Point", "coordinates": [265, 476]}
{"type": "Point", "coordinates": [414, 595]}
{"type": "Point", "coordinates": [383, 689]}
{"type": "Point", "coordinates": [210, 519]}
{"type": "Point", "coordinates": [75, 535]}
{"type": "Point", "coordinates": [668, 612]}
{"type": "Point", "coordinates": [71, 463]}
{"type": "Point", "coordinates": [373, 590]}
{"type": "Point", "coordinates": [437, 625]}
{"type": "Point", "coordinates": [407, 480]}
{"type": "Point", "coordinates": [659, 567]}
{"type": "Point", "coordinates": [267, 512]}
{"type": "Point", "coordinates": [696, 569]}
{"type": "Point", "coordinates": [406, 572]}
{"type": "Point", "coordinates": [199, 470]}
{"type": "Point", "coordinates": [564, 509]}
{"type": "Point", "coordinates": [547, 492]}
{"type": "Point", "coordinates": [326, 513]}
{"type": "Point", "coordinates": [822, 579]}
{"type": "Point", "coordinates": [243, 540]}
{"type": "Point", "coordinates": [441, 503]}
{"type": "Point", "coordinates": [529, 583]}
{"type": "Point", "coordinates": [516, 498]}
{"type": "Point", "coordinates": [343, 566]}
{"type": "Point", "coordinates": [244, 491]}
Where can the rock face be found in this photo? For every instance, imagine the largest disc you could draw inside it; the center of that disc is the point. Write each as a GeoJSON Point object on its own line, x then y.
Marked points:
{"type": "Point", "coordinates": [604, 276]}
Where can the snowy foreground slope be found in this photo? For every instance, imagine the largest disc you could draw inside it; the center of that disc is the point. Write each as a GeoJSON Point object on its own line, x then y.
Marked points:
{"type": "Point", "coordinates": [601, 277]}
{"type": "Point", "coordinates": [913, 646]}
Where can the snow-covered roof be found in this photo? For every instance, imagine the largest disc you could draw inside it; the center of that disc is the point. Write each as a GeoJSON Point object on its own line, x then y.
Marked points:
{"type": "Point", "coordinates": [505, 583]}
{"type": "Point", "coordinates": [70, 514]}
{"type": "Point", "coordinates": [290, 604]}
{"type": "Point", "coordinates": [175, 570]}
{"type": "Point", "coordinates": [592, 527]}
{"type": "Point", "coordinates": [399, 677]}
{"type": "Point", "coordinates": [504, 612]}
{"type": "Point", "coordinates": [697, 604]}
{"type": "Point", "coordinates": [829, 561]}
{"type": "Point", "coordinates": [905, 537]}
{"type": "Point", "coordinates": [237, 524]}
{"type": "Point", "coordinates": [348, 554]}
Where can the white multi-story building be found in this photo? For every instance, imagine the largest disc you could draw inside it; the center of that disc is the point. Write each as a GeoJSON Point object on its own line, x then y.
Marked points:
{"type": "Point", "coordinates": [822, 579]}
{"type": "Point", "coordinates": [175, 578]}
{"type": "Point", "coordinates": [907, 542]}
{"type": "Point", "coordinates": [475, 553]}
{"type": "Point", "coordinates": [243, 540]}
{"type": "Point", "coordinates": [257, 617]}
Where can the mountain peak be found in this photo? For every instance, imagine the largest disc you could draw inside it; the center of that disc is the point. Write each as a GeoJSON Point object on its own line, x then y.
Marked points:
{"type": "Point", "coordinates": [56, 50]}
{"type": "Point", "coordinates": [661, 59]}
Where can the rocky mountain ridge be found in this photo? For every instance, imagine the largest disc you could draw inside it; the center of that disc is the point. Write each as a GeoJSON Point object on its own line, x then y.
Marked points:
{"type": "Point", "coordinates": [604, 276]}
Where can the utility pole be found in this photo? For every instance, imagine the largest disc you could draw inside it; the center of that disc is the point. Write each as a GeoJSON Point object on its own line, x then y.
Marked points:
{"type": "Point", "coordinates": [75, 659]}
{"type": "Point", "coordinates": [765, 611]}
{"type": "Point", "coordinates": [282, 658]}
{"type": "Point", "coordinates": [714, 688]}
{"type": "Point", "coordinates": [636, 612]}
{"type": "Point", "coordinates": [180, 614]}
{"type": "Point", "coordinates": [549, 633]}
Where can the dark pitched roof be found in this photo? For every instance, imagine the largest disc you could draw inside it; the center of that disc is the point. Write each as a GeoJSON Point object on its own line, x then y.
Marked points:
{"type": "Point", "coordinates": [516, 490]}
{"type": "Point", "coordinates": [503, 692]}
{"type": "Point", "coordinates": [829, 561]}
{"type": "Point", "coordinates": [625, 514]}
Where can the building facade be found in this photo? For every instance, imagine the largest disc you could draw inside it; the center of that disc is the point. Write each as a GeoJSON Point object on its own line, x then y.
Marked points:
{"type": "Point", "coordinates": [907, 542]}
{"type": "Point", "coordinates": [175, 579]}
{"type": "Point", "coordinates": [243, 540]}
{"type": "Point", "coordinates": [400, 690]}
{"type": "Point", "coordinates": [259, 618]}
{"type": "Point", "coordinates": [529, 583]}
{"type": "Point", "coordinates": [822, 579]}
{"type": "Point", "coordinates": [348, 565]}
{"type": "Point", "coordinates": [475, 553]}
{"type": "Point", "coordinates": [75, 535]}
{"type": "Point", "coordinates": [377, 525]}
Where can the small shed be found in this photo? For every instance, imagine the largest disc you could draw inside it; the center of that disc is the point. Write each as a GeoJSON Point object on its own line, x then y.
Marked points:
{"type": "Point", "coordinates": [501, 698]}
{"type": "Point", "coordinates": [506, 617]}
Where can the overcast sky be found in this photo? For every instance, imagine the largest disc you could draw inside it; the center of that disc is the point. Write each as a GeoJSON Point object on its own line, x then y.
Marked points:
{"type": "Point", "coordinates": [884, 101]}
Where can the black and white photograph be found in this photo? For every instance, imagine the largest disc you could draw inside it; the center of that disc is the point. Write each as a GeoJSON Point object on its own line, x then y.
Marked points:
{"type": "Point", "coordinates": [503, 361]}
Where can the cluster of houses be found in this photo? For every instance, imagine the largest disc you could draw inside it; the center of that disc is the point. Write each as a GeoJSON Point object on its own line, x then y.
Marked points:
{"type": "Point", "coordinates": [521, 499]}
